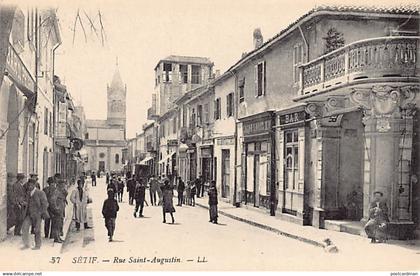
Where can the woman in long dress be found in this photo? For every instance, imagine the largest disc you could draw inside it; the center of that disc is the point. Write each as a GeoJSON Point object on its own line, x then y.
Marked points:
{"type": "Point", "coordinates": [167, 201]}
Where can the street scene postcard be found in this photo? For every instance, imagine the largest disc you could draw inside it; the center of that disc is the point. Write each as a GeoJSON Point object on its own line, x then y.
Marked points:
{"type": "Point", "coordinates": [243, 135]}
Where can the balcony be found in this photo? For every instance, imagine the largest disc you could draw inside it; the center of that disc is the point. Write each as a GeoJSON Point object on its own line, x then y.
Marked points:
{"type": "Point", "coordinates": [18, 72]}
{"type": "Point", "coordinates": [377, 58]}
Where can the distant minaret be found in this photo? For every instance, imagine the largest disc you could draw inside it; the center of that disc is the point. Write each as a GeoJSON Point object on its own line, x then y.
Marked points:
{"type": "Point", "coordinates": [116, 93]}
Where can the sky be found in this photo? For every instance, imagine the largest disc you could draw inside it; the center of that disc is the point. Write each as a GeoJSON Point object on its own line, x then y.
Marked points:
{"type": "Point", "coordinates": [140, 33]}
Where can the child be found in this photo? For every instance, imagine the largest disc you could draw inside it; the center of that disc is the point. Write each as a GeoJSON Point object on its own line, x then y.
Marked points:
{"type": "Point", "coordinates": [109, 211]}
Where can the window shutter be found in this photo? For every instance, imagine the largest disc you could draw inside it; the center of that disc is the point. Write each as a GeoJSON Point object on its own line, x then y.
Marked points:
{"type": "Point", "coordinates": [264, 86]}
{"type": "Point", "coordinates": [256, 79]}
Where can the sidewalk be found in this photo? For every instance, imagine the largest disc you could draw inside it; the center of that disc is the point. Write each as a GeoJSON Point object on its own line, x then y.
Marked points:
{"type": "Point", "coordinates": [308, 234]}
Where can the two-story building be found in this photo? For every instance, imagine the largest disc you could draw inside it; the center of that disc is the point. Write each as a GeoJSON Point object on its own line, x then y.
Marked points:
{"type": "Point", "coordinates": [327, 117]}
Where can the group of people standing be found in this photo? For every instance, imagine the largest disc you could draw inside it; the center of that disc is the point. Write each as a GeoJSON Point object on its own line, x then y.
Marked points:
{"type": "Point", "coordinates": [31, 206]}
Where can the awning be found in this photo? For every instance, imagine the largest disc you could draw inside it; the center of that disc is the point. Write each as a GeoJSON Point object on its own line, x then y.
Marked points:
{"type": "Point", "coordinates": [145, 160]}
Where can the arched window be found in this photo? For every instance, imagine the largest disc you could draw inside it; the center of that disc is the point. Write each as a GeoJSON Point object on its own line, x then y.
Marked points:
{"type": "Point", "coordinates": [117, 158]}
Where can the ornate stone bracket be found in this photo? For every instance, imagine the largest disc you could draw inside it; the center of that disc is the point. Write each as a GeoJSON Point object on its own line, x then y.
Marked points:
{"type": "Point", "coordinates": [382, 102]}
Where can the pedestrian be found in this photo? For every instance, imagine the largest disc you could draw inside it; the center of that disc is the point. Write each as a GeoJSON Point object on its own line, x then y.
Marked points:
{"type": "Point", "coordinates": [198, 183]}
{"type": "Point", "coordinates": [131, 185]}
{"type": "Point", "coordinates": [188, 194]}
{"type": "Point", "coordinates": [193, 191]}
{"type": "Point", "coordinates": [139, 196]}
{"type": "Point", "coordinates": [167, 201]}
{"type": "Point", "coordinates": [62, 188]}
{"type": "Point", "coordinates": [57, 208]}
{"type": "Point", "coordinates": [36, 211]}
{"type": "Point", "coordinates": [79, 198]}
{"type": "Point", "coordinates": [120, 189]}
{"type": "Point", "coordinates": [83, 178]}
{"type": "Point", "coordinates": [213, 202]}
{"type": "Point", "coordinates": [107, 178]}
{"type": "Point", "coordinates": [93, 177]}
{"type": "Point", "coordinates": [109, 211]}
{"type": "Point", "coordinates": [180, 191]}
{"type": "Point", "coordinates": [48, 190]}
{"type": "Point", "coordinates": [98, 174]}
{"type": "Point", "coordinates": [19, 202]}
{"type": "Point", "coordinates": [154, 186]}
{"type": "Point", "coordinates": [375, 228]}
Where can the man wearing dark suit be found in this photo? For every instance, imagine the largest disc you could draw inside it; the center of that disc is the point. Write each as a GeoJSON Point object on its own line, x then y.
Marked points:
{"type": "Point", "coordinates": [93, 177]}
{"type": "Point", "coordinates": [36, 211]}
{"type": "Point", "coordinates": [48, 192]}
{"type": "Point", "coordinates": [19, 202]}
{"type": "Point", "coordinates": [57, 206]}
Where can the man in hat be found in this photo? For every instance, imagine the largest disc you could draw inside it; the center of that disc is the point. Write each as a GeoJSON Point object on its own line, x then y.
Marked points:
{"type": "Point", "coordinates": [37, 210]}
{"type": "Point", "coordinates": [48, 190]}
{"type": "Point", "coordinates": [19, 202]}
{"type": "Point", "coordinates": [109, 211]}
{"type": "Point", "coordinates": [34, 176]}
{"type": "Point", "coordinates": [139, 196]}
{"type": "Point", "coordinates": [375, 228]}
{"type": "Point", "coordinates": [93, 177]}
{"type": "Point", "coordinates": [57, 206]}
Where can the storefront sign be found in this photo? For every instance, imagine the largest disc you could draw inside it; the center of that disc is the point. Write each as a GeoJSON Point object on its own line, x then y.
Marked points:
{"type": "Point", "coordinates": [172, 143]}
{"type": "Point", "coordinates": [292, 118]}
{"type": "Point", "coordinates": [206, 152]}
{"type": "Point", "coordinates": [257, 127]}
{"type": "Point", "coordinates": [230, 141]}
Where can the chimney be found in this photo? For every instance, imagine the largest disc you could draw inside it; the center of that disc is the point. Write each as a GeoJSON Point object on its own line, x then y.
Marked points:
{"type": "Point", "coordinates": [258, 38]}
{"type": "Point", "coordinates": [217, 73]}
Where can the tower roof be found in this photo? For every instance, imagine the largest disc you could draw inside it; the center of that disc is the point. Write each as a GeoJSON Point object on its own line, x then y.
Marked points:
{"type": "Point", "coordinates": [116, 79]}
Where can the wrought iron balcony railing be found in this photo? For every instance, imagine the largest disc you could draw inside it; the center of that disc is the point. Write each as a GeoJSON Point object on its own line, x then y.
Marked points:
{"type": "Point", "coordinates": [371, 58]}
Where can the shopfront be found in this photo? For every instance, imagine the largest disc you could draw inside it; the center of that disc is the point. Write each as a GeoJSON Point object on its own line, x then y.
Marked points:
{"type": "Point", "coordinates": [224, 163]}
{"type": "Point", "coordinates": [291, 137]}
{"type": "Point", "coordinates": [258, 184]}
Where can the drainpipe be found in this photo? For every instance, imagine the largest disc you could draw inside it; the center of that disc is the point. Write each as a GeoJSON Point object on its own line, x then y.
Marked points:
{"type": "Point", "coordinates": [306, 43]}
{"type": "Point", "coordinates": [235, 172]}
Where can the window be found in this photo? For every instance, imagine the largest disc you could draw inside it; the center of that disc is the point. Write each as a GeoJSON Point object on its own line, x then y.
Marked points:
{"type": "Point", "coordinates": [260, 83]}
{"type": "Point", "coordinates": [195, 74]}
{"type": "Point", "coordinates": [229, 105]}
{"type": "Point", "coordinates": [292, 160]}
{"type": "Point", "coordinates": [297, 60]}
{"type": "Point", "coordinates": [86, 136]}
{"type": "Point", "coordinates": [117, 158]}
{"type": "Point", "coordinates": [184, 116]}
{"type": "Point", "coordinates": [206, 113]}
{"type": "Point", "coordinates": [192, 121]}
{"type": "Point", "coordinates": [217, 109]}
{"type": "Point", "coordinates": [46, 121]}
{"type": "Point", "coordinates": [174, 122]}
{"type": "Point", "coordinates": [199, 115]}
{"type": "Point", "coordinates": [167, 72]}
{"type": "Point", "coordinates": [51, 125]}
{"type": "Point", "coordinates": [183, 73]}
{"type": "Point", "coordinates": [241, 90]}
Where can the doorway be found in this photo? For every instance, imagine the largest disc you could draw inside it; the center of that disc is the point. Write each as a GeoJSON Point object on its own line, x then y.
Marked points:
{"type": "Point", "coordinates": [256, 180]}
{"type": "Point", "coordinates": [101, 166]}
{"type": "Point", "coordinates": [225, 173]}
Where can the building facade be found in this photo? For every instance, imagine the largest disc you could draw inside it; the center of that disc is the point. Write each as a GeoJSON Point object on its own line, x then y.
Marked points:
{"type": "Point", "coordinates": [106, 139]}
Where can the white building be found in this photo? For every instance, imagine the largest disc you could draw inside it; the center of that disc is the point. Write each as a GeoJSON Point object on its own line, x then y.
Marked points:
{"type": "Point", "coordinates": [106, 139]}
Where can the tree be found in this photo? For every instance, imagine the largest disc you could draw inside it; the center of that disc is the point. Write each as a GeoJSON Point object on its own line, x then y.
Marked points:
{"type": "Point", "coordinates": [333, 40]}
